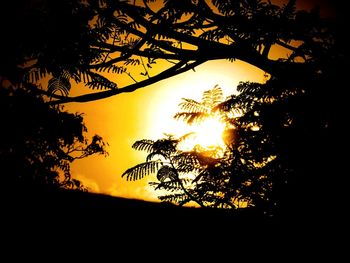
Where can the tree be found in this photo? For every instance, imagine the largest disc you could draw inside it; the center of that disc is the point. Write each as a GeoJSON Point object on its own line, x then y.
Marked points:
{"type": "Point", "coordinates": [236, 176]}
{"type": "Point", "coordinates": [38, 142]}
{"type": "Point", "coordinates": [97, 39]}
{"type": "Point", "coordinates": [300, 117]}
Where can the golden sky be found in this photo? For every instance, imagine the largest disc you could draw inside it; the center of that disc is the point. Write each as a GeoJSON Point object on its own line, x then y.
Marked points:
{"type": "Point", "coordinates": [146, 114]}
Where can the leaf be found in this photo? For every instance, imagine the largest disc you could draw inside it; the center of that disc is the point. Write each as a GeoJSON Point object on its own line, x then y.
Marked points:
{"type": "Point", "coordinates": [143, 145]}
{"type": "Point", "coordinates": [167, 173]}
{"type": "Point", "coordinates": [154, 154]}
{"type": "Point", "coordinates": [165, 146]}
{"type": "Point", "coordinates": [112, 69]}
{"type": "Point", "coordinates": [186, 162]}
{"type": "Point", "coordinates": [213, 96]}
{"type": "Point", "coordinates": [191, 117]}
{"type": "Point", "coordinates": [171, 186]}
{"type": "Point", "coordinates": [35, 75]}
{"type": "Point", "coordinates": [100, 82]}
{"type": "Point", "coordinates": [176, 198]}
{"type": "Point", "coordinates": [60, 84]}
{"type": "Point", "coordinates": [132, 61]}
{"type": "Point", "coordinates": [190, 105]}
{"type": "Point", "coordinates": [141, 170]}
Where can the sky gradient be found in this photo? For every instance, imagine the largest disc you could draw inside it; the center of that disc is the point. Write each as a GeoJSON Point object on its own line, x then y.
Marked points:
{"type": "Point", "coordinates": [146, 114]}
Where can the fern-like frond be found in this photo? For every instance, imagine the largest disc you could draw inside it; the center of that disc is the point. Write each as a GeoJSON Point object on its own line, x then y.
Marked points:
{"type": "Point", "coordinates": [59, 84]}
{"type": "Point", "coordinates": [141, 170]}
{"type": "Point", "coordinates": [175, 198]}
{"type": "Point", "coordinates": [213, 35]}
{"type": "Point", "coordinates": [132, 62]}
{"type": "Point", "coordinates": [165, 146]}
{"type": "Point", "coordinates": [227, 8]}
{"type": "Point", "coordinates": [166, 173]}
{"type": "Point", "coordinates": [217, 201]}
{"type": "Point", "coordinates": [186, 162]}
{"type": "Point", "coordinates": [213, 96]}
{"type": "Point", "coordinates": [155, 154]}
{"type": "Point", "coordinates": [143, 145]}
{"type": "Point", "coordinates": [112, 69]}
{"type": "Point", "coordinates": [228, 105]}
{"type": "Point", "coordinates": [35, 75]}
{"type": "Point", "coordinates": [99, 82]}
{"type": "Point", "coordinates": [186, 136]}
{"type": "Point", "coordinates": [251, 87]}
{"type": "Point", "coordinates": [191, 117]}
{"type": "Point", "coordinates": [190, 105]}
{"type": "Point", "coordinates": [83, 76]}
{"type": "Point", "coordinates": [172, 186]}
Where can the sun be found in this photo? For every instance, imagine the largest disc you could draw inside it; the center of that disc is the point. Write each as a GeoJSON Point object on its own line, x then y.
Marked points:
{"type": "Point", "coordinates": [206, 135]}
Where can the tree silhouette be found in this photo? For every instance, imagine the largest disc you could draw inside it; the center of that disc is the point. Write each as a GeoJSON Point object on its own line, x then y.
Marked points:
{"type": "Point", "coordinates": [234, 177]}
{"type": "Point", "coordinates": [98, 39]}
{"type": "Point", "coordinates": [299, 111]}
{"type": "Point", "coordinates": [38, 142]}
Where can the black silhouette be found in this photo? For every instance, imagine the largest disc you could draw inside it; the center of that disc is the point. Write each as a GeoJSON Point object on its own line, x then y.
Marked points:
{"type": "Point", "coordinates": [98, 39]}
{"type": "Point", "coordinates": [300, 110]}
{"type": "Point", "coordinates": [39, 142]}
{"type": "Point", "coordinates": [230, 177]}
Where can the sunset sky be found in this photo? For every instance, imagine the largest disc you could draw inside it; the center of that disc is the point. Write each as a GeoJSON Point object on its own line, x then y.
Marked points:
{"type": "Point", "coordinates": [146, 114]}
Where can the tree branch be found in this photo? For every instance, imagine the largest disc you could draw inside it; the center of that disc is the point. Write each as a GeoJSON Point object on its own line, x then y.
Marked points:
{"type": "Point", "coordinates": [179, 68]}
{"type": "Point", "coordinates": [143, 53]}
{"type": "Point", "coordinates": [148, 37]}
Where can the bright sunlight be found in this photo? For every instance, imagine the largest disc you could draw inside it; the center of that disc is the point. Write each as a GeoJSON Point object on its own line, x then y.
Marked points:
{"type": "Point", "coordinates": [206, 134]}
{"type": "Point", "coordinates": [147, 113]}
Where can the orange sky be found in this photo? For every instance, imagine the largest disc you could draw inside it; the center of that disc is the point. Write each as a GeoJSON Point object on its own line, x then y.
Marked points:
{"type": "Point", "coordinates": [147, 114]}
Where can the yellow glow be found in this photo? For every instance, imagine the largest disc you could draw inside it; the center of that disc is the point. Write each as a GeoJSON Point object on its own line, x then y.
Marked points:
{"type": "Point", "coordinates": [147, 114]}
{"type": "Point", "coordinates": [207, 134]}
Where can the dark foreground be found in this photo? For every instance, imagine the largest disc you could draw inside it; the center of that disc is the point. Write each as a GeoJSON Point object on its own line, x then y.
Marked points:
{"type": "Point", "coordinates": [65, 218]}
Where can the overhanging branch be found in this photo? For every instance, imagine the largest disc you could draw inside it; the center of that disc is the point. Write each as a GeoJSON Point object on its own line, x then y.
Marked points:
{"type": "Point", "coordinates": [179, 68]}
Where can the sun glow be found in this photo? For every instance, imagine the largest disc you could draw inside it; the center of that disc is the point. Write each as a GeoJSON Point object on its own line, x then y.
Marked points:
{"type": "Point", "coordinates": [206, 135]}
{"type": "Point", "coordinates": [147, 114]}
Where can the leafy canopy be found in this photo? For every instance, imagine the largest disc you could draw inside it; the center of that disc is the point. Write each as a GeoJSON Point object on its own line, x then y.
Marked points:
{"type": "Point", "coordinates": [39, 142]}
{"type": "Point", "coordinates": [96, 42]}
{"type": "Point", "coordinates": [233, 177]}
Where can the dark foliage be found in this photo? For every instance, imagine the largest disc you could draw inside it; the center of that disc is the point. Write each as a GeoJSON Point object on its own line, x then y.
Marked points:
{"type": "Point", "coordinates": [90, 41]}
{"type": "Point", "coordinates": [300, 110]}
{"type": "Point", "coordinates": [38, 142]}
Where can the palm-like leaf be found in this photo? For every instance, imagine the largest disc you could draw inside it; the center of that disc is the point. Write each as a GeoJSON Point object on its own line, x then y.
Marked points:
{"type": "Point", "coordinates": [112, 69]}
{"type": "Point", "coordinates": [212, 97]}
{"type": "Point", "coordinates": [194, 111]}
{"type": "Point", "coordinates": [165, 147]}
{"type": "Point", "coordinates": [154, 155]}
{"type": "Point", "coordinates": [172, 186]}
{"type": "Point", "coordinates": [141, 170]}
{"type": "Point", "coordinates": [180, 199]}
{"type": "Point", "coordinates": [60, 83]}
{"type": "Point", "coordinates": [143, 145]}
{"type": "Point", "coordinates": [190, 105]}
{"type": "Point", "coordinates": [35, 75]}
{"type": "Point", "coordinates": [186, 162]}
{"type": "Point", "coordinates": [191, 117]}
{"type": "Point", "coordinates": [100, 82]}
